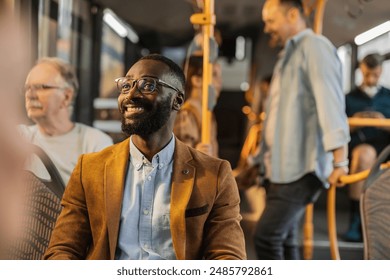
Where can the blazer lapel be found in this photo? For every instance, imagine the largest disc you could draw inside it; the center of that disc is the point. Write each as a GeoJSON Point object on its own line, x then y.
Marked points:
{"type": "Point", "coordinates": [182, 185]}
{"type": "Point", "coordinates": [114, 180]}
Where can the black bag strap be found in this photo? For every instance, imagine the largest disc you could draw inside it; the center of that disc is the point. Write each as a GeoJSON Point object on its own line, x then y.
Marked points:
{"type": "Point", "coordinates": [56, 184]}
{"type": "Point", "coordinates": [375, 170]}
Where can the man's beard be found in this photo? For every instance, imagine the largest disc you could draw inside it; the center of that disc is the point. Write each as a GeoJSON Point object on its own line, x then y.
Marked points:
{"type": "Point", "coordinates": [150, 121]}
{"type": "Point", "coordinates": [371, 91]}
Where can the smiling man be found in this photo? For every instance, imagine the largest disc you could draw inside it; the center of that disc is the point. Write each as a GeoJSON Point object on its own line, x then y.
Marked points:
{"type": "Point", "coordinates": [150, 196]}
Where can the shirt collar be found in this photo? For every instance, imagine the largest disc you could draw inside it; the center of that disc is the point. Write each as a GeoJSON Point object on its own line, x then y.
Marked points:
{"type": "Point", "coordinates": [298, 37]}
{"type": "Point", "coordinates": [159, 160]}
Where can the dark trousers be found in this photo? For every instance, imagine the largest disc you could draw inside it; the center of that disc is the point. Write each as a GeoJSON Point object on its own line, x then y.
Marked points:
{"type": "Point", "coordinates": [276, 233]}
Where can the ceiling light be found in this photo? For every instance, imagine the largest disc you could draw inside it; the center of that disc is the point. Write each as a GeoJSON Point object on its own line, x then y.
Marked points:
{"type": "Point", "coordinates": [372, 33]}
{"type": "Point", "coordinates": [121, 28]}
{"type": "Point", "coordinates": [114, 23]}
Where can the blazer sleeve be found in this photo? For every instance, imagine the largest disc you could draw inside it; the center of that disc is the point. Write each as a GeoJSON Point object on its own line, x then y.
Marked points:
{"type": "Point", "coordinates": [71, 236]}
{"type": "Point", "coordinates": [224, 237]}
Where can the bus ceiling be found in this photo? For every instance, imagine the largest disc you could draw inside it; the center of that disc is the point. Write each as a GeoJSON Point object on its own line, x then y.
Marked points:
{"type": "Point", "coordinates": [167, 23]}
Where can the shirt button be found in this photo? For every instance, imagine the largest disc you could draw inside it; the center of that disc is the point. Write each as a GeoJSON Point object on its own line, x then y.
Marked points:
{"type": "Point", "coordinates": [161, 165]}
{"type": "Point", "coordinates": [146, 246]}
{"type": "Point", "coordinates": [138, 165]}
{"type": "Point", "coordinates": [149, 178]}
{"type": "Point", "coordinates": [146, 211]}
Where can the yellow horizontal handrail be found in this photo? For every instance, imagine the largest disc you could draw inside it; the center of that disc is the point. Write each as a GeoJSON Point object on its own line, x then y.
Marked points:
{"type": "Point", "coordinates": [369, 122]}
{"type": "Point", "coordinates": [353, 178]}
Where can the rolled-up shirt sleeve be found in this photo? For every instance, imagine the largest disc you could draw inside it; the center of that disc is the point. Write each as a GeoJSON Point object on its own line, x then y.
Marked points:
{"type": "Point", "coordinates": [326, 82]}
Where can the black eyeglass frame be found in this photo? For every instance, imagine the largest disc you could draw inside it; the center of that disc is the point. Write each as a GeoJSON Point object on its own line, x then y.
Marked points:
{"type": "Point", "coordinates": [135, 82]}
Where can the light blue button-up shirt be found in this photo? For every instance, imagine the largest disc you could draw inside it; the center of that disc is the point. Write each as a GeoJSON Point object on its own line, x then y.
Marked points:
{"type": "Point", "coordinates": [144, 232]}
{"type": "Point", "coordinates": [310, 120]}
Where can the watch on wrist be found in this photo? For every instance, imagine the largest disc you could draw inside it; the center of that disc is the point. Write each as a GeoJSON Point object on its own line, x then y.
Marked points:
{"type": "Point", "coordinates": [343, 163]}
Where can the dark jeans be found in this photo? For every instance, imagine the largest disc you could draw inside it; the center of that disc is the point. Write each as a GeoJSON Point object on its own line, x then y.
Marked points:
{"type": "Point", "coordinates": [276, 233]}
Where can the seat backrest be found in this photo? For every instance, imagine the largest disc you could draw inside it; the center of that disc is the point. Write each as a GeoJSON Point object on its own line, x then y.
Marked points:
{"type": "Point", "coordinates": [375, 208]}
{"type": "Point", "coordinates": [42, 205]}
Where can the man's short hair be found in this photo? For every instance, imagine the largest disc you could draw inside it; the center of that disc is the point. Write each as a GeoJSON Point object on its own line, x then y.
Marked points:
{"type": "Point", "coordinates": [293, 4]}
{"type": "Point", "coordinates": [373, 60]}
{"type": "Point", "coordinates": [65, 69]}
{"type": "Point", "coordinates": [174, 70]}
{"type": "Point", "coordinates": [67, 72]}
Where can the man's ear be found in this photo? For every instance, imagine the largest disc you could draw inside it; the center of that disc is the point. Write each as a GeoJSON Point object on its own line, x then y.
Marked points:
{"type": "Point", "coordinates": [293, 14]}
{"type": "Point", "coordinates": [68, 93]}
{"type": "Point", "coordinates": [178, 102]}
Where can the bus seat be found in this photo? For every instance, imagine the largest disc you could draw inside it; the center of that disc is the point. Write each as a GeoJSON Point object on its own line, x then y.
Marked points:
{"type": "Point", "coordinates": [375, 209]}
{"type": "Point", "coordinates": [42, 205]}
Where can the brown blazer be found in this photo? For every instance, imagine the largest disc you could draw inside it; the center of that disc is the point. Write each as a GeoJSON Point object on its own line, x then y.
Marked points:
{"type": "Point", "coordinates": [204, 218]}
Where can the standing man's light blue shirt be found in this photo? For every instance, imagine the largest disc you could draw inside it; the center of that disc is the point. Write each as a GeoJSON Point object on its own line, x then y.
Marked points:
{"type": "Point", "coordinates": [144, 232]}
{"type": "Point", "coordinates": [310, 120]}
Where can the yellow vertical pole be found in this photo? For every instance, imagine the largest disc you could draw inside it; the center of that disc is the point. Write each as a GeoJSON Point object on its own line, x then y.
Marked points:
{"type": "Point", "coordinates": [332, 229]}
{"type": "Point", "coordinates": [207, 21]}
{"type": "Point", "coordinates": [208, 32]}
{"type": "Point", "coordinates": [319, 16]}
{"type": "Point", "coordinates": [308, 233]}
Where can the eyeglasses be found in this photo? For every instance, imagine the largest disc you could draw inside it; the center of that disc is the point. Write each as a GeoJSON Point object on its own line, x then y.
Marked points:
{"type": "Point", "coordinates": [145, 85]}
{"type": "Point", "coordinates": [40, 87]}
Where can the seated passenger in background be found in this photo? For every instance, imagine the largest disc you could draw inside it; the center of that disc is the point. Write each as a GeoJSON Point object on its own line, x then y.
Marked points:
{"type": "Point", "coordinates": [188, 125]}
{"type": "Point", "coordinates": [369, 100]}
{"type": "Point", "coordinates": [50, 91]}
{"type": "Point", "coordinates": [150, 196]}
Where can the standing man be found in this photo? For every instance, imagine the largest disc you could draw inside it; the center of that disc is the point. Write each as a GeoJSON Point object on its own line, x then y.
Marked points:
{"type": "Point", "coordinates": [50, 92]}
{"type": "Point", "coordinates": [369, 100]}
{"type": "Point", "coordinates": [306, 130]}
{"type": "Point", "coordinates": [150, 196]}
